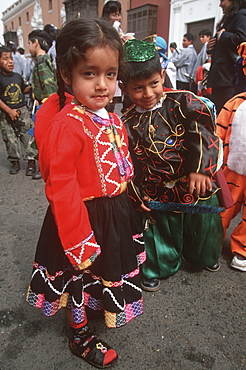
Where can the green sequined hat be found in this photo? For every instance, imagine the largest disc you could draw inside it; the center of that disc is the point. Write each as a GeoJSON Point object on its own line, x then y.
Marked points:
{"type": "Point", "coordinates": [139, 51]}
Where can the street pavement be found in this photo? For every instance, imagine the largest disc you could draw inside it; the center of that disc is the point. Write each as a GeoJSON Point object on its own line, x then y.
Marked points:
{"type": "Point", "coordinates": [195, 321]}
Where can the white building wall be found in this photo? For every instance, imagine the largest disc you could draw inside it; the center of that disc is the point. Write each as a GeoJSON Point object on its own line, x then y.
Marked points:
{"type": "Point", "coordinates": [183, 12]}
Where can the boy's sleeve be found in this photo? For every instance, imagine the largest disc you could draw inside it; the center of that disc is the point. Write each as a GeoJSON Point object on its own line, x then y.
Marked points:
{"type": "Point", "coordinates": [182, 59]}
{"type": "Point", "coordinates": [47, 79]}
{"type": "Point", "coordinates": [203, 145]}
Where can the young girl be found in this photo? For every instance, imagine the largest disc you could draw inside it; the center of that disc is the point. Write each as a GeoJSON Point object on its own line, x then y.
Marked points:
{"type": "Point", "coordinates": [90, 247]}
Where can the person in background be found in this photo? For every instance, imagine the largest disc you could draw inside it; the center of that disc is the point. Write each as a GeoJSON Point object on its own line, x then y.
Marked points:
{"type": "Point", "coordinates": [185, 62]}
{"type": "Point", "coordinates": [202, 65]}
{"type": "Point", "coordinates": [52, 31]}
{"type": "Point", "coordinates": [18, 62]}
{"type": "Point", "coordinates": [14, 116]}
{"type": "Point", "coordinates": [43, 74]}
{"type": "Point", "coordinates": [111, 13]}
{"type": "Point", "coordinates": [174, 48]}
{"type": "Point", "coordinates": [166, 64]}
{"type": "Point", "coordinates": [231, 128]}
{"type": "Point", "coordinates": [21, 51]}
{"type": "Point", "coordinates": [175, 154]}
{"type": "Point", "coordinates": [231, 32]}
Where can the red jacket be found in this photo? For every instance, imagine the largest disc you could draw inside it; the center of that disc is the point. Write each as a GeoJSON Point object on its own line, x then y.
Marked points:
{"type": "Point", "coordinates": [78, 162]}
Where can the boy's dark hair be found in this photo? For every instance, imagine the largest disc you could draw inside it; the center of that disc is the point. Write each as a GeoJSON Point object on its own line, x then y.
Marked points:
{"type": "Point", "coordinates": [51, 30]}
{"type": "Point", "coordinates": [21, 51]}
{"type": "Point", "coordinates": [4, 49]}
{"type": "Point", "coordinates": [44, 39]}
{"type": "Point", "coordinates": [11, 45]}
{"type": "Point", "coordinates": [140, 70]}
{"type": "Point", "coordinates": [205, 32]}
{"type": "Point", "coordinates": [189, 36]}
{"type": "Point", "coordinates": [110, 7]}
{"type": "Point", "coordinates": [74, 40]}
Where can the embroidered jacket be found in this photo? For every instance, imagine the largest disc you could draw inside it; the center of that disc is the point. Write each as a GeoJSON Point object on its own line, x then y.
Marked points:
{"type": "Point", "coordinates": [81, 157]}
{"type": "Point", "coordinates": [170, 142]}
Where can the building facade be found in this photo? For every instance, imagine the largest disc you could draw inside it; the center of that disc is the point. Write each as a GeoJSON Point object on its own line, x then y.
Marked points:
{"type": "Point", "coordinates": [25, 15]}
{"type": "Point", "coordinates": [192, 16]}
{"type": "Point", "coordinates": [167, 19]}
{"type": "Point", "coordinates": [139, 17]}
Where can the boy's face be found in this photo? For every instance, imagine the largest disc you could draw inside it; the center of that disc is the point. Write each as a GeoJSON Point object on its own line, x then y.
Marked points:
{"type": "Point", "coordinates": [6, 63]}
{"type": "Point", "coordinates": [186, 42]}
{"type": "Point", "coordinates": [204, 39]}
{"type": "Point", "coordinates": [146, 93]}
{"type": "Point", "coordinates": [32, 47]}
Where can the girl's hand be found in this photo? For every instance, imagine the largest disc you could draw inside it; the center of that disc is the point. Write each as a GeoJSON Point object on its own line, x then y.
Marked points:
{"type": "Point", "coordinates": [198, 184]}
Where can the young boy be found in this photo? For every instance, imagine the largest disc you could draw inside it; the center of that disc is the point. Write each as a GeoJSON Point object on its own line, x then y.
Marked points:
{"type": "Point", "coordinates": [14, 115]}
{"type": "Point", "coordinates": [175, 154]}
{"type": "Point", "coordinates": [43, 75]}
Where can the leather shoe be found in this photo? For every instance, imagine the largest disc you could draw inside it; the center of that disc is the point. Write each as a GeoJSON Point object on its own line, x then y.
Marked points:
{"type": "Point", "coordinates": [213, 268]}
{"type": "Point", "coordinates": [31, 167]}
{"type": "Point", "coordinates": [37, 175]}
{"type": "Point", "coordinates": [14, 167]}
{"type": "Point", "coordinates": [151, 285]}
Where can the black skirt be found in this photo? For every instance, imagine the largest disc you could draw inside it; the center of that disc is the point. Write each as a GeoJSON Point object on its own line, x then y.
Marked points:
{"type": "Point", "coordinates": [112, 282]}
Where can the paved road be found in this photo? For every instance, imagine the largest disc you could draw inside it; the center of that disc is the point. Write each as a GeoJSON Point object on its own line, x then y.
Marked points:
{"type": "Point", "coordinates": [195, 321]}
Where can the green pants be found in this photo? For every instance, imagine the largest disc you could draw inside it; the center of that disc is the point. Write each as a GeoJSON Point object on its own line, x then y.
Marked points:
{"type": "Point", "coordinates": [197, 237]}
{"type": "Point", "coordinates": [18, 147]}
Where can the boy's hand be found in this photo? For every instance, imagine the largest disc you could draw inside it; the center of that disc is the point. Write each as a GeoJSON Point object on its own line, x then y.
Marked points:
{"type": "Point", "coordinates": [14, 114]}
{"type": "Point", "coordinates": [143, 207]}
{"type": "Point", "coordinates": [198, 184]}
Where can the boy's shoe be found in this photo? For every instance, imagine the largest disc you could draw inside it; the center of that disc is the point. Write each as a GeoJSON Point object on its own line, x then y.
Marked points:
{"type": "Point", "coordinates": [213, 268]}
{"type": "Point", "coordinates": [14, 167]}
{"type": "Point", "coordinates": [37, 175]}
{"type": "Point", "coordinates": [31, 167]}
{"type": "Point", "coordinates": [151, 285]}
{"type": "Point", "coordinates": [239, 263]}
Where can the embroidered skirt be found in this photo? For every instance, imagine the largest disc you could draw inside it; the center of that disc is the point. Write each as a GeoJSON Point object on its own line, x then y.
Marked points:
{"type": "Point", "coordinates": [111, 285]}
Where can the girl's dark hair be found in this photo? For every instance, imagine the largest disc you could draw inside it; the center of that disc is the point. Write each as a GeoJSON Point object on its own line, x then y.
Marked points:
{"type": "Point", "coordinates": [232, 11]}
{"type": "Point", "coordinates": [110, 7]}
{"type": "Point", "coordinates": [73, 41]}
{"type": "Point", "coordinates": [173, 45]}
{"type": "Point", "coordinates": [140, 70]}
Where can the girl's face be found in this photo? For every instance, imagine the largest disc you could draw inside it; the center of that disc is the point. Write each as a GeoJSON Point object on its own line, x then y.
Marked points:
{"type": "Point", "coordinates": [225, 5]}
{"type": "Point", "coordinates": [114, 17]}
{"type": "Point", "coordinates": [93, 81]}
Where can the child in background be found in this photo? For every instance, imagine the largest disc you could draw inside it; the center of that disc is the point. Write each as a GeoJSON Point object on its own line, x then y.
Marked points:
{"type": "Point", "coordinates": [14, 116]}
{"type": "Point", "coordinates": [175, 155]}
{"type": "Point", "coordinates": [43, 74]}
{"type": "Point", "coordinates": [90, 247]}
{"type": "Point", "coordinates": [231, 128]}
